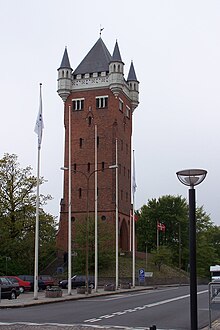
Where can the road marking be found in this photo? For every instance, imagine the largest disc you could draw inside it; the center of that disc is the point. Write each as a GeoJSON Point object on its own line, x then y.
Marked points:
{"type": "Point", "coordinates": [120, 296]}
{"type": "Point", "coordinates": [138, 308]}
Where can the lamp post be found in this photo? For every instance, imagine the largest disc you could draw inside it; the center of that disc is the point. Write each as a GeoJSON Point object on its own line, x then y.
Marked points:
{"type": "Point", "coordinates": [88, 176]}
{"type": "Point", "coordinates": [69, 209]}
{"type": "Point", "coordinates": [191, 178]}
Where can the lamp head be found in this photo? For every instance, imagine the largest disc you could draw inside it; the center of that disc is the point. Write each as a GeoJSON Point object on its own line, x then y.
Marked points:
{"type": "Point", "coordinates": [191, 177]}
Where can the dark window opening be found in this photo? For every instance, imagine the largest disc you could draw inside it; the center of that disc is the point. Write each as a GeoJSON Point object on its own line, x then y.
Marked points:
{"type": "Point", "coordinates": [119, 167]}
{"type": "Point", "coordinates": [97, 141]}
{"type": "Point", "coordinates": [90, 120]}
{"type": "Point", "coordinates": [80, 192]}
{"type": "Point", "coordinates": [80, 143]}
{"type": "Point", "coordinates": [102, 102]}
{"type": "Point", "coordinates": [78, 104]}
{"type": "Point", "coordinates": [88, 167]}
{"type": "Point", "coordinates": [74, 166]}
{"type": "Point", "coordinates": [103, 166]}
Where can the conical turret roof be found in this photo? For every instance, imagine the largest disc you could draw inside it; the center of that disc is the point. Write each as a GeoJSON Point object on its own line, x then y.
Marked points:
{"type": "Point", "coordinates": [97, 60]}
{"type": "Point", "coordinates": [132, 74]}
{"type": "Point", "coordinates": [65, 61]}
{"type": "Point", "coordinates": [116, 57]}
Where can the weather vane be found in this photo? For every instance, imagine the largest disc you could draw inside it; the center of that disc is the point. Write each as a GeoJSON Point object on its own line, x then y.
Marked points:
{"type": "Point", "coordinates": [100, 31]}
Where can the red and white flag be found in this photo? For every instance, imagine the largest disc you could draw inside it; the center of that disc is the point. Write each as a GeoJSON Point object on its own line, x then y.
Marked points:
{"type": "Point", "coordinates": [161, 226]}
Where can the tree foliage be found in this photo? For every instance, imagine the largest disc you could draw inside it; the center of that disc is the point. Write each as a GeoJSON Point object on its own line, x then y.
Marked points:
{"type": "Point", "coordinates": [17, 219]}
{"type": "Point", "coordinates": [106, 245]}
{"type": "Point", "coordinates": [172, 211]}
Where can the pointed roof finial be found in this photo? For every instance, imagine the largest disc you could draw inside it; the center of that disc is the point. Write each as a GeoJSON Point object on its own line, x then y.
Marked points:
{"type": "Point", "coordinates": [100, 30]}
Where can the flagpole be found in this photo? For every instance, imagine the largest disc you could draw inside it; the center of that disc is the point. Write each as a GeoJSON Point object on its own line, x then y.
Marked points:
{"type": "Point", "coordinates": [96, 213]}
{"type": "Point", "coordinates": [116, 214]}
{"type": "Point", "coordinates": [38, 130]}
{"type": "Point", "coordinates": [133, 229]}
{"type": "Point", "coordinates": [37, 231]}
{"type": "Point", "coordinates": [69, 212]}
{"type": "Point", "coordinates": [157, 236]}
{"type": "Point", "coordinates": [130, 226]}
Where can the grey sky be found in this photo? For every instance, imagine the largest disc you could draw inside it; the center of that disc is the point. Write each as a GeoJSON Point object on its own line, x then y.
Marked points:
{"type": "Point", "coordinates": [175, 47]}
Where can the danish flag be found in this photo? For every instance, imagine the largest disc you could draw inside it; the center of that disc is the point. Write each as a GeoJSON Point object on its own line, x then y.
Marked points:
{"type": "Point", "coordinates": [161, 226]}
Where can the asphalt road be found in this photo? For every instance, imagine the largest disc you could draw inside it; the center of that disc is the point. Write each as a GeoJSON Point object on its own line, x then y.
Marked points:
{"type": "Point", "coordinates": [167, 308]}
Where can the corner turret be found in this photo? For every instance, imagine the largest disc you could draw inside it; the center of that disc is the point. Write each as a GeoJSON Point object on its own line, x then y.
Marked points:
{"type": "Point", "coordinates": [64, 77]}
{"type": "Point", "coordinates": [116, 71]}
{"type": "Point", "coordinates": [133, 84]}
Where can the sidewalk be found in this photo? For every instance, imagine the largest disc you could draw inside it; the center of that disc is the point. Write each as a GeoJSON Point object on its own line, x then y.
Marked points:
{"type": "Point", "coordinates": [27, 299]}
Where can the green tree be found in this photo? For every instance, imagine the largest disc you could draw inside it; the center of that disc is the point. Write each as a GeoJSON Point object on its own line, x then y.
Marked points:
{"type": "Point", "coordinates": [172, 211]}
{"type": "Point", "coordinates": [207, 245]}
{"type": "Point", "coordinates": [106, 245]}
{"type": "Point", "coordinates": [17, 218]}
{"type": "Point", "coordinates": [161, 256]}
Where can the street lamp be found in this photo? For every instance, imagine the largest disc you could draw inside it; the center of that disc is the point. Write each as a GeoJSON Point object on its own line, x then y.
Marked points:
{"type": "Point", "coordinates": [192, 178]}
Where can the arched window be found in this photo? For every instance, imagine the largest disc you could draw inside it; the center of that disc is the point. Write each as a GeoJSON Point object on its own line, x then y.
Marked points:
{"type": "Point", "coordinates": [114, 68]}
{"type": "Point", "coordinates": [88, 167]}
{"type": "Point", "coordinates": [119, 68]}
{"type": "Point", "coordinates": [80, 192]}
{"type": "Point", "coordinates": [67, 74]}
{"type": "Point", "coordinates": [62, 74]}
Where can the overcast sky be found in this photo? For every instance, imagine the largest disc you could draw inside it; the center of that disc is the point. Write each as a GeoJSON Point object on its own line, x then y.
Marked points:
{"type": "Point", "coordinates": [175, 47]}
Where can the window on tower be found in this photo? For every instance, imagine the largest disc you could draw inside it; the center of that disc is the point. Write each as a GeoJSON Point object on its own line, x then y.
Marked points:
{"type": "Point", "coordinates": [78, 104]}
{"type": "Point", "coordinates": [121, 104]}
{"type": "Point", "coordinates": [80, 192]}
{"type": "Point", "coordinates": [101, 102]}
{"type": "Point", "coordinates": [128, 112]}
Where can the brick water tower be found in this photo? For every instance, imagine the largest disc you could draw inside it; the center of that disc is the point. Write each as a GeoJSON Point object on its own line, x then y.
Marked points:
{"type": "Point", "coordinates": [100, 103]}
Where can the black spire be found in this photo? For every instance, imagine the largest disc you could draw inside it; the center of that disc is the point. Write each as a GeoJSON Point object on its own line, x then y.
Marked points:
{"type": "Point", "coordinates": [116, 57]}
{"type": "Point", "coordinates": [65, 61]}
{"type": "Point", "coordinates": [132, 74]}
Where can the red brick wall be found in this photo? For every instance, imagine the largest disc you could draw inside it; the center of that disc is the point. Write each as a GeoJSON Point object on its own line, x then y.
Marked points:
{"type": "Point", "coordinates": [111, 124]}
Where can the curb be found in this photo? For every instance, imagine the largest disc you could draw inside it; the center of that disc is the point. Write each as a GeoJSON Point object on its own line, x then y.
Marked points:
{"type": "Point", "coordinates": [42, 300]}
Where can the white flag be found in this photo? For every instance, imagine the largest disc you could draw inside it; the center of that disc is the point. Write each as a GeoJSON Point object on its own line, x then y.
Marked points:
{"type": "Point", "coordinates": [134, 185]}
{"type": "Point", "coordinates": [39, 122]}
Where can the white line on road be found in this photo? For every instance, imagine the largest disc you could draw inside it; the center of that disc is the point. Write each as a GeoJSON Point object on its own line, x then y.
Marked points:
{"type": "Point", "coordinates": [141, 307]}
{"type": "Point", "coordinates": [130, 295]}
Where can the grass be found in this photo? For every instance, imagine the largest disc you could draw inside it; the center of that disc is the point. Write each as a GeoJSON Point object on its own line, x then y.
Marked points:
{"type": "Point", "coordinates": [125, 269]}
